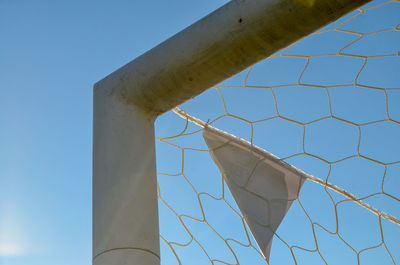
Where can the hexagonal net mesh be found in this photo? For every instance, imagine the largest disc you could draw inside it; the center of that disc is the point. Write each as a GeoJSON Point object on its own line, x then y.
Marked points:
{"type": "Point", "coordinates": [328, 105]}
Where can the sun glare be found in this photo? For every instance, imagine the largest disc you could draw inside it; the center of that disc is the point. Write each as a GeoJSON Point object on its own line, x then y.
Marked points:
{"type": "Point", "coordinates": [10, 249]}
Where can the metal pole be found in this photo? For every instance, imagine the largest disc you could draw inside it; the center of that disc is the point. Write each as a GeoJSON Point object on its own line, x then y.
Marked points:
{"type": "Point", "coordinates": [125, 215]}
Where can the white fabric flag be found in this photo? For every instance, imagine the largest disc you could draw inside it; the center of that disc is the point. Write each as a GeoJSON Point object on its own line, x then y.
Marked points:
{"type": "Point", "coordinates": [263, 186]}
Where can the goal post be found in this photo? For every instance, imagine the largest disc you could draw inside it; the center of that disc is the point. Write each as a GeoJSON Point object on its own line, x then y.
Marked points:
{"type": "Point", "coordinates": [126, 103]}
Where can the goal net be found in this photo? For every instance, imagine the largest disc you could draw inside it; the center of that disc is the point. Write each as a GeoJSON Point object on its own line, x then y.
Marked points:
{"type": "Point", "coordinates": [327, 110]}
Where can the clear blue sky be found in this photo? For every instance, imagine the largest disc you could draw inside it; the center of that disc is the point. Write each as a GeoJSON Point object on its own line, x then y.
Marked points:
{"type": "Point", "coordinates": [52, 52]}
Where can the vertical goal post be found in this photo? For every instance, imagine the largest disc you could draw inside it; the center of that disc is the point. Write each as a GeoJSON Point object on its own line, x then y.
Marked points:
{"type": "Point", "coordinates": [127, 102]}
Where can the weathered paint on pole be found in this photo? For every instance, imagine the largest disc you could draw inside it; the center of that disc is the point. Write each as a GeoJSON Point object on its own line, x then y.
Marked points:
{"type": "Point", "coordinates": [225, 42]}
{"type": "Point", "coordinates": [237, 35]}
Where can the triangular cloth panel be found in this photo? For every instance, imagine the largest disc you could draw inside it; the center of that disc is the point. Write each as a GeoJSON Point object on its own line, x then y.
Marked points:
{"type": "Point", "coordinates": [263, 189]}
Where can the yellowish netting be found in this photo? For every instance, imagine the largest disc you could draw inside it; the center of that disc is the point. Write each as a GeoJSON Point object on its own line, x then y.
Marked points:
{"type": "Point", "coordinates": [370, 113]}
